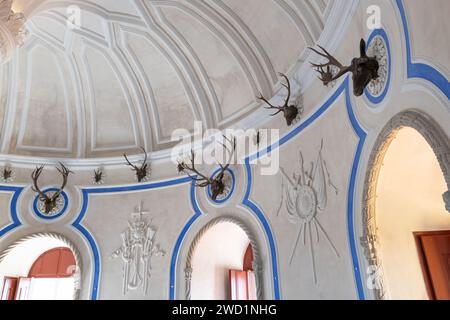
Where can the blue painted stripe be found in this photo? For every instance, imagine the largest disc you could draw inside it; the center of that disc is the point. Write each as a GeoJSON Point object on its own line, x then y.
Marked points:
{"type": "Point", "coordinates": [359, 131]}
{"type": "Point", "coordinates": [421, 70]}
{"type": "Point", "coordinates": [260, 215]}
{"type": "Point", "coordinates": [176, 250]}
{"type": "Point", "coordinates": [85, 201]}
{"type": "Point", "coordinates": [351, 194]}
{"type": "Point", "coordinates": [303, 125]}
{"type": "Point", "coordinates": [42, 215]}
{"type": "Point", "coordinates": [17, 191]}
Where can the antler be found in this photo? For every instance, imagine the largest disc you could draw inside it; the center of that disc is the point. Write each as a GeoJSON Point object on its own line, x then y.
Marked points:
{"type": "Point", "coordinates": [133, 165]}
{"type": "Point", "coordinates": [35, 176]}
{"type": "Point", "coordinates": [145, 153]}
{"type": "Point", "coordinates": [129, 163]}
{"type": "Point", "coordinates": [201, 180]}
{"type": "Point", "coordinates": [230, 154]}
{"type": "Point", "coordinates": [286, 103]}
{"type": "Point", "coordinates": [288, 87]}
{"type": "Point", "coordinates": [326, 76]}
{"type": "Point", "coordinates": [65, 174]}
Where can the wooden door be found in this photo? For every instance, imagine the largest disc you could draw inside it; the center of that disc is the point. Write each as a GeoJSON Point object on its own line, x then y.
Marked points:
{"type": "Point", "coordinates": [238, 285]}
{"type": "Point", "coordinates": [9, 288]}
{"type": "Point", "coordinates": [434, 255]}
{"type": "Point", "coordinates": [23, 288]}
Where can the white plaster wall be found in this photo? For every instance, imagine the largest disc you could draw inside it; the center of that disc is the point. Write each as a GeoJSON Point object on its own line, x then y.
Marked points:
{"type": "Point", "coordinates": [220, 249]}
{"type": "Point", "coordinates": [171, 207]}
{"type": "Point", "coordinates": [409, 193]}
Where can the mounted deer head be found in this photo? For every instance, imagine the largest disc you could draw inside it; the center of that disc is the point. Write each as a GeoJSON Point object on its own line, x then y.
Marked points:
{"type": "Point", "coordinates": [217, 184]}
{"type": "Point", "coordinates": [290, 112]}
{"type": "Point", "coordinates": [49, 202]}
{"type": "Point", "coordinates": [364, 69]}
{"type": "Point", "coordinates": [7, 174]}
{"type": "Point", "coordinates": [141, 171]}
{"type": "Point", "coordinates": [98, 176]}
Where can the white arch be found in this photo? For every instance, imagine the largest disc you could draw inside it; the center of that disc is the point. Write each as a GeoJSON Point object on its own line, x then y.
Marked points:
{"type": "Point", "coordinates": [440, 144]}
{"type": "Point", "coordinates": [261, 263]}
{"type": "Point", "coordinates": [55, 236]}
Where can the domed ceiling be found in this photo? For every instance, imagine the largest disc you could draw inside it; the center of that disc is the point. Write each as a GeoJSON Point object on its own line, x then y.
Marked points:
{"type": "Point", "coordinates": [137, 70]}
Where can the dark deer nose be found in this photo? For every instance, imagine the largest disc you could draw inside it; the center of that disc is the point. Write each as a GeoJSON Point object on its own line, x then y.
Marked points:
{"type": "Point", "coordinates": [358, 91]}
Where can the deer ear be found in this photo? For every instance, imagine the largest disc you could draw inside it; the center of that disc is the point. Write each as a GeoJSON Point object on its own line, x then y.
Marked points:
{"type": "Point", "coordinates": [362, 48]}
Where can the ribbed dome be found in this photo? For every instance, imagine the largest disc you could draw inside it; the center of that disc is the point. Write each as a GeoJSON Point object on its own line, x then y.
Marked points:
{"type": "Point", "coordinates": [137, 70]}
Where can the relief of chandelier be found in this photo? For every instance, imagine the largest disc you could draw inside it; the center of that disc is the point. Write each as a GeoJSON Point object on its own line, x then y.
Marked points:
{"type": "Point", "coordinates": [12, 30]}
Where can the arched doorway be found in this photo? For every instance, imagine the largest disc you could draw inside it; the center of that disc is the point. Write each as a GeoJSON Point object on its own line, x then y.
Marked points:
{"type": "Point", "coordinates": [40, 267]}
{"type": "Point", "coordinates": [222, 263]}
{"type": "Point", "coordinates": [408, 175]}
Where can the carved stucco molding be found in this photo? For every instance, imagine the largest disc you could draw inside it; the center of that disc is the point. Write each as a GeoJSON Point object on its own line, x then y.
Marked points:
{"type": "Point", "coordinates": [257, 265]}
{"type": "Point", "coordinates": [57, 236]}
{"type": "Point", "coordinates": [440, 144]}
{"type": "Point", "coordinates": [12, 30]}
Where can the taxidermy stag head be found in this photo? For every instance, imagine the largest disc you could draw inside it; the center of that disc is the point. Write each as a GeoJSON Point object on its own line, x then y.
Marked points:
{"type": "Point", "coordinates": [290, 111]}
{"type": "Point", "coordinates": [217, 184]}
{"type": "Point", "coordinates": [364, 69]}
{"type": "Point", "coordinates": [50, 202]}
{"type": "Point", "coordinates": [7, 174]}
{"type": "Point", "coordinates": [142, 170]}
{"type": "Point", "coordinates": [98, 176]}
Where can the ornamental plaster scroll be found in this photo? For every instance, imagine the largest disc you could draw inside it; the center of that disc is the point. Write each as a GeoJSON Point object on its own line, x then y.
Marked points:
{"type": "Point", "coordinates": [378, 49]}
{"type": "Point", "coordinates": [138, 247]}
{"type": "Point", "coordinates": [66, 241]}
{"type": "Point", "coordinates": [304, 196]}
{"type": "Point", "coordinates": [257, 265]}
{"type": "Point", "coordinates": [12, 30]}
{"type": "Point", "coordinates": [440, 144]}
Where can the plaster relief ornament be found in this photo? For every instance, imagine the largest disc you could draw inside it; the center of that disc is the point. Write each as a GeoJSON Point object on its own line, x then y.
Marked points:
{"type": "Point", "coordinates": [364, 69]}
{"type": "Point", "coordinates": [291, 112]}
{"type": "Point", "coordinates": [378, 49]}
{"type": "Point", "coordinates": [138, 246]}
{"type": "Point", "coordinates": [306, 196]}
{"type": "Point", "coordinates": [12, 30]}
{"type": "Point", "coordinates": [7, 174]}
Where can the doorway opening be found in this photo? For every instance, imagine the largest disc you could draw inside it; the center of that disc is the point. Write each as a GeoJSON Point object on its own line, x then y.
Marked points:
{"type": "Point", "coordinates": [221, 261]}
{"type": "Point", "coordinates": [408, 207]}
{"type": "Point", "coordinates": [39, 267]}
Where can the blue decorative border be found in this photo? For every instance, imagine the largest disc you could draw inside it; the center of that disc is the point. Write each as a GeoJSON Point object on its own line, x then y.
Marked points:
{"type": "Point", "coordinates": [42, 215]}
{"type": "Point", "coordinates": [230, 194]}
{"type": "Point", "coordinates": [359, 131]}
{"type": "Point", "coordinates": [414, 70]}
{"type": "Point", "coordinates": [421, 70]}
{"type": "Point", "coordinates": [176, 250]}
{"type": "Point", "coordinates": [379, 98]}
{"type": "Point", "coordinates": [77, 224]}
{"type": "Point", "coordinates": [17, 191]}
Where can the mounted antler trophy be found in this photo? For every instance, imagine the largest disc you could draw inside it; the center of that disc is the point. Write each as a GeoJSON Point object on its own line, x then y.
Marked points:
{"type": "Point", "coordinates": [7, 174]}
{"type": "Point", "coordinates": [50, 202]}
{"type": "Point", "coordinates": [364, 69]}
{"type": "Point", "coordinates": [290, 111]}
{"type": "Point", "coordinates": [142, 172]}
{"type": "Point", "coordinates": [217, 183]}
{"type": "Point", "coordinates": [99, 176]}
